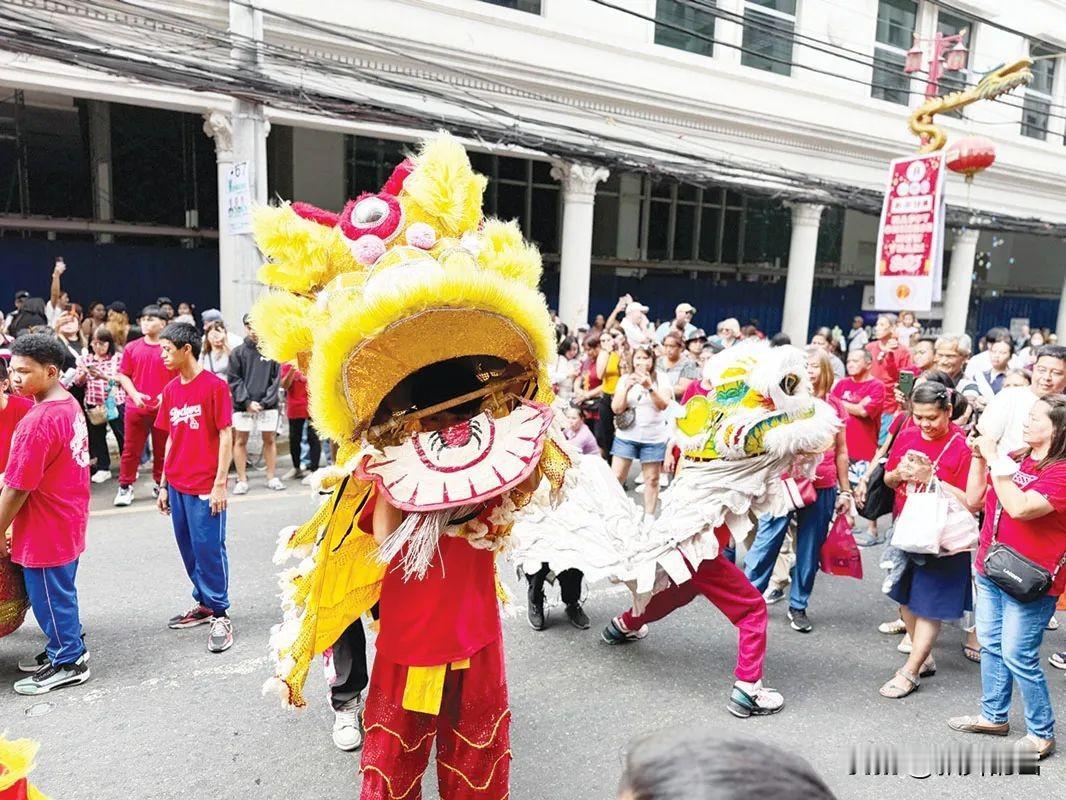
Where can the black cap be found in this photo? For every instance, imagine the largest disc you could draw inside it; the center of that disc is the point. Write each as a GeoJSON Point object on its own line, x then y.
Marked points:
{"type": "Point", "coordinates": [118, 306]}
{"type": "Point", "coordinates": [246, 319]}
{"type": "Point", "coordinates": [21, 294]}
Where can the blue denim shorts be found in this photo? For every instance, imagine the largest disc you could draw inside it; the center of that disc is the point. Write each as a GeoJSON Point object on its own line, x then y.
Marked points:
{"type": "Point", "coordinates": [643, 452]}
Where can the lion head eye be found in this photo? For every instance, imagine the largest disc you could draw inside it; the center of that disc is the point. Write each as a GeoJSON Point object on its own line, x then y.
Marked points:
{"type": "Point", "coordinates": [369, 212]}
{"type": "Point", "coordinates": [790, 383]}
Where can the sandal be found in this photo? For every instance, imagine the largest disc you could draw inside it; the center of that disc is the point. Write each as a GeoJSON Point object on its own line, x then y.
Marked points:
{"type": "Point", "coordinates": [972, 653]}
{"type": "Point", "coordinates": [893, 691]}
{"type": "Point", "coordinates": [928, 669]}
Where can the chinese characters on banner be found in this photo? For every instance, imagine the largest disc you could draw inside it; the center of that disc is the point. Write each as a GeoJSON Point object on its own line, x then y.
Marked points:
{"type": "Point", "coordinates": [238, 199]}
{"type": "Point", "coordinates": [910, 240]}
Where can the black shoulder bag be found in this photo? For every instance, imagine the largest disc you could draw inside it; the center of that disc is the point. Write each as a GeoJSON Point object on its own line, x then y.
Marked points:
{"type": "Point", "coordinates": [1021, 578]}
{"type": "Point", "coordinates": [880, 497]}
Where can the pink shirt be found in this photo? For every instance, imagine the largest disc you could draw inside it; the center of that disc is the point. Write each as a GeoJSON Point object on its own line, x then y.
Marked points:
{"type": "Point", "coordinates": [50, 460]}
{"type": "Point", "coordinates": [862, 432]}
{"type": "Point", "coordinates": [143, 364]}
{"type": "Point", "coordinates": [825, 476]}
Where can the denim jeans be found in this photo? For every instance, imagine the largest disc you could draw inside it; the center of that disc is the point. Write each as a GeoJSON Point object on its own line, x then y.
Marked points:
{"type": "Point", "coordinates": [1010, 634]}
{"type": "Point", "coordinates": [812, 527]}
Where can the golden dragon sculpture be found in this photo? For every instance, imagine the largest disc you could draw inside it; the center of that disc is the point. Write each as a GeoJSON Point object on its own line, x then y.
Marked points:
{"type": "Point", "coordinates": [994, 83]}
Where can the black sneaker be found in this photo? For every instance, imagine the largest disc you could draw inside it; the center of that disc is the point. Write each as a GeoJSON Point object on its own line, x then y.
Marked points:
{"type": "Point", "coordinates": [197, 615]}
{"type": "Point", "coordinates": [774, 595]}
{"type": "Point", "coordinates": [54, 676]}
{"type": "Point", "coordinates": [31, 665]}
{"type": "Point", "coordinates": [798, 618]}
{"type": "Point", "coordinates": [577, 616]}
{"type": "Point", "coordinates": [535, 606]}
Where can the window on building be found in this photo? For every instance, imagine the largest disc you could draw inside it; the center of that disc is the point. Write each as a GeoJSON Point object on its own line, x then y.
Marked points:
{"type": "Point", "coordinates": [949, 25]}
{"type": "Point", "coordinates": [769, 30]}
{"type": "Point", "coordinates": [896, 20]}
{"type": "Point", "coordinates": [1036, 106]}
{"type": "Point", "coordinates": [370, 162]}
{"type": "Point", "coordinates": [684, 26]}
{"type": "Point", "coordinates": [530, 6]}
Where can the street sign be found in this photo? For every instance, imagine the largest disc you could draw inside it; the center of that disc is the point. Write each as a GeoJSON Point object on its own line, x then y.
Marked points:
{"type": "Point", "coordinates": [910, 239]}
{"type": "Point", "coordinates": [238, 199]}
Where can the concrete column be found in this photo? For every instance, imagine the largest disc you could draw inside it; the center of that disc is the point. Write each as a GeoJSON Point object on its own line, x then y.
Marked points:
{"type": "Point", "coordinates": [960, 281]}
{"type": "Point", "coordinates": [799, 285]}
{"type": "Point", "coordinates": [1060, 326]}
{"type": "Point", "coordinates": [100, 164]}
{"type": "Point", "coordinates": [575, 261]}
{"type": "Point", "coordinates": [240, 136]}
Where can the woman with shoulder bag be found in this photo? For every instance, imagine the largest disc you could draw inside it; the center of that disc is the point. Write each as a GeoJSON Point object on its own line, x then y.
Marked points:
{"type": "Point", "coordinates": [931, 589]}
{"type": "Point", "coordinates": [1021, 566]}
{"type": "Point", "coordinates": [96, 372]}
{"type": "Point", "coordinates": [614, 351]}
{"type": "Point", "coordinates": [832, 497]}
{"type": "Point", "coordinates": [638, 405]}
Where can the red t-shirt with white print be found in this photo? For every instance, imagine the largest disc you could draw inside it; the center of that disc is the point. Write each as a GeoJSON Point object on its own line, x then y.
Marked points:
{"type": "Point", "coordinates": [1043, 539]}
{"type": "Point", "coordinates": [50, 459]}
{"type": "Point", "coordinates": [193, 414]}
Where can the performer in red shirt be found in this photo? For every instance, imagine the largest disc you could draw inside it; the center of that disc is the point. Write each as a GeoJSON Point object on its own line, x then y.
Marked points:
{"type": "Point", "coordinates": [142, 375]}
{"type": "Point", "coordinates": [196, 413]}
{"type": "Point", "coordinates": [294, 383]}
{"type": "Point", "coordinates": [45, 502]}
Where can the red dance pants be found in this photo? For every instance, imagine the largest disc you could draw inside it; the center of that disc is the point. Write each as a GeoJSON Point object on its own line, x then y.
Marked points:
{"type": "Point", "coordinates": [140, 423]}
{"type": "Point", "coordinates": [472, 732]}
{"type": "Point", "coordinates": [721, 582]}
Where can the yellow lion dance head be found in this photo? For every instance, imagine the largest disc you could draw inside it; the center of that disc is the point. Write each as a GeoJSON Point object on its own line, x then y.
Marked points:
{"type": "Point", "coordinates": [405, 302]}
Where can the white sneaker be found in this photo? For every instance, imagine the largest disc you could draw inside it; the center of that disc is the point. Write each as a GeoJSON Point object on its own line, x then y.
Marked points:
{"type": "Point", "coordinates": [241, 487]}
{"type": "Point", "coordinates": [307, 479]}
{"type": "Point", "coordinates": [124, 496]}
{"type": "Point", "coordinates": [101, 476]}
{"type": "Point", "coordinates": [1052, 625]}
{"type": "Point", "coordinates": [276, 484]}
{"type": "Point", "coordinates": [347, 735]}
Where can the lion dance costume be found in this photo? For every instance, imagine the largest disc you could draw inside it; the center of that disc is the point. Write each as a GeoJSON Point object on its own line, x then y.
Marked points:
{"type": "Point", "coordinates": [426, 343]}
{"type": "Point", "coordinates": [757, 421]}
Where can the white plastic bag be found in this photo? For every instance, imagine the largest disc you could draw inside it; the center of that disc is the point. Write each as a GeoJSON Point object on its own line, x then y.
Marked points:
{"type": "Point", "coordinates": [919, 525]}
{"type": "Point", "coordinates": [961, 531]}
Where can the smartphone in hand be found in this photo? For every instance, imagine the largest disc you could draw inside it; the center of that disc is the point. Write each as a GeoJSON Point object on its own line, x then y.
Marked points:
{"type": "Point", "coordinates": [906, 383]}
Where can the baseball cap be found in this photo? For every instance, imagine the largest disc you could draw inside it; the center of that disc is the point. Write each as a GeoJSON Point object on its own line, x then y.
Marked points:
{"type": "Point", "coordinates": [246, 319]}
{"type": "Point", "coordinates": [211, 315]}
{"type": "Point", "coordinates": [21, 294]}
{"type": "Point", "coordinates": [699, 333]}
{"type": "Point", "coordinates": [635, 306]}
{"type": "Point", "coordinates": [682, 307]}
{"type": "Point", "coordinates": [118, 306]}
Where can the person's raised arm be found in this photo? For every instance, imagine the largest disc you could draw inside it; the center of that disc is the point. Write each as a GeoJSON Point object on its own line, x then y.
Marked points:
{"type": "Point", "coordinates": [56, 290]}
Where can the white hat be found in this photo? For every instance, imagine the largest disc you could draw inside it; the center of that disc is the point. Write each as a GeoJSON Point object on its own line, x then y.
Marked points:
{"type": "Point", "coordinates": [635, 306]}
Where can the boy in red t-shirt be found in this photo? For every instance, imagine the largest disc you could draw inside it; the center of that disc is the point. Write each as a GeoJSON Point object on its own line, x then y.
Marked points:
{"type": "Point", "coordinates": [142, 374]}
{"type": "Point", "coordinates": [45, 502]}
{"type": "Point", "coordinates": [196, 413]}
{"type": "Point", "coordinates": [13, 408]}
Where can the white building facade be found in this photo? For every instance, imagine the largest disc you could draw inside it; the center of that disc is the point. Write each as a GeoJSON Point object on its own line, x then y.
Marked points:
{"type": "Point", "coordinates": [728, 153]}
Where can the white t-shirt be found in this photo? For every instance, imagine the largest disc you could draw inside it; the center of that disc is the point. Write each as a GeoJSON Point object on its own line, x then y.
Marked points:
{"type": "Point", "coordinates": [1005, 415]}
{"type": "Point", "coordinates": [649, 426]}
{"type": "Point", "coordinates": [635, 333]}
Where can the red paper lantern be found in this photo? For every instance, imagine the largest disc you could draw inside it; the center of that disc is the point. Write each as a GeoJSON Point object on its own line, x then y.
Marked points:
{"type": "Point", "coordinates": [970, 155]}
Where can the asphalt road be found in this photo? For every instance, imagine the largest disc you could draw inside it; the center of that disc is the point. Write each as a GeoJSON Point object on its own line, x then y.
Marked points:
{"type": "Point", "coordinates": [163, 718]}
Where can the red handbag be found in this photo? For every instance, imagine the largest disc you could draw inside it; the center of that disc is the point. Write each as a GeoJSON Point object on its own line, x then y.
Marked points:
{"type": "Point", "coordinates": [799, 492]}
{"type": "Point", "coordinates": [840, 554]}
